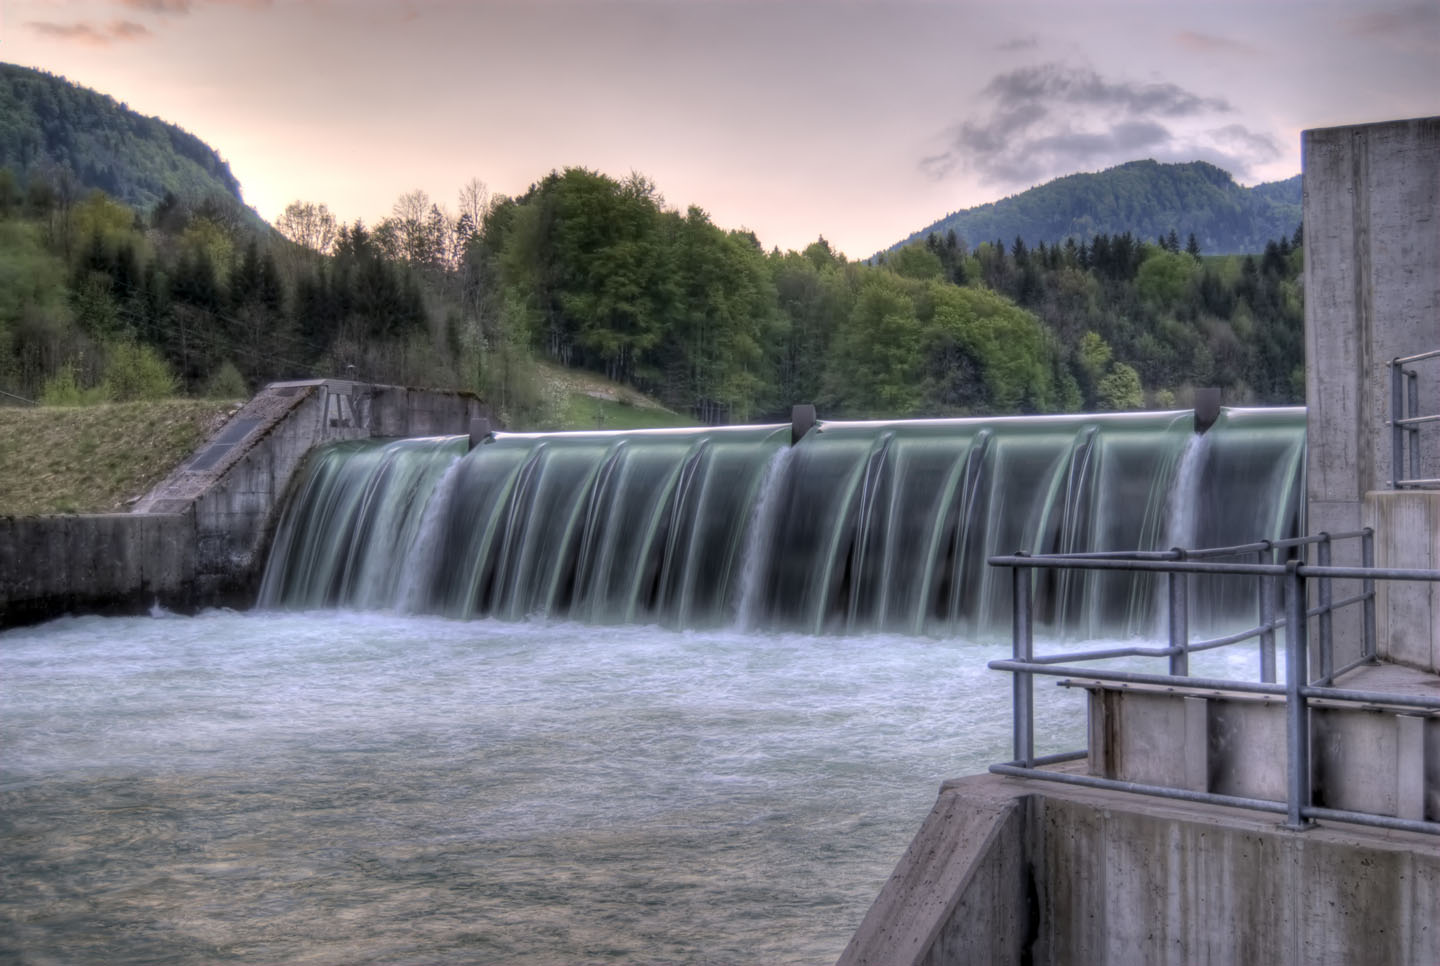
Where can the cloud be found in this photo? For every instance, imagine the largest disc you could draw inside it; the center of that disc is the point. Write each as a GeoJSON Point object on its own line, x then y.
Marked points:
{"type": "Point", "coordinates": [1020, 43]}
{"type": "Point", "coordinates": [159, 6]}
{"type": "Point", "coordinates": [1044, 121]}
{"type": "Point", "coordinates": [94, 35]}
{"type": "Point", "coordinates": [1415, 27]}
{"type": "Point", "coordinates": [1211, 44]}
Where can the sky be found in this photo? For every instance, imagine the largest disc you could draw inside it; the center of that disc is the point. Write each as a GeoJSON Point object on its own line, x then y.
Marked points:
{"type": "Point", "coordinates": [857, 120]}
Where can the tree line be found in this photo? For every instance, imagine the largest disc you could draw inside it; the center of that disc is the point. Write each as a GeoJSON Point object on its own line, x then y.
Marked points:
{"type": "Point", "coordinates": [101, 300]}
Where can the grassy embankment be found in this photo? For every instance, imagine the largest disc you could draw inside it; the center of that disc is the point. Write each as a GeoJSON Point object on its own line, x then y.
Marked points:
{"type": "Point", "coordinates": [94, 459]}
{"type": "Point", "coordinates": [97, 459]}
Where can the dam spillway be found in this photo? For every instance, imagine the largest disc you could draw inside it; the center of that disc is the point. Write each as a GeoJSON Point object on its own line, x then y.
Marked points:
{"type": "Point", "coordinates": [858, 527]}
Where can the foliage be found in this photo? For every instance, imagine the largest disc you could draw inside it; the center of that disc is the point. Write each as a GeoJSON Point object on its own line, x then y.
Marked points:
{"type": "Point", "coordinates": [69, 140]}
{"type": "Point", "coordinates": [1144, 198]}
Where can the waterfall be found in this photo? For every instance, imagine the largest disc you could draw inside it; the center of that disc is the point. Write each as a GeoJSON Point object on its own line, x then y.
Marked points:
{"type": "Point", "coordinates": [860, 526]}
{"type": "Point", "coordinates": [760, 534]}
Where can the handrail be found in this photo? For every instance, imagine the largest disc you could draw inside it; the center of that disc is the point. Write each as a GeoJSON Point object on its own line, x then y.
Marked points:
{"type": "Point", "coordinates": [1297, 690]}
{"type": "Point", "coordinates": [1405, 422]}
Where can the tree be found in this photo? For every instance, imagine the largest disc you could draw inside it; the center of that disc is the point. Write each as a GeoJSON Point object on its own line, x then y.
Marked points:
{"type": "Point", "coordinates": [308, 225]}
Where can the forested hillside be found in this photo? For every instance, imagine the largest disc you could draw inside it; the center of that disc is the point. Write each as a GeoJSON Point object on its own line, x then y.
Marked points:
{"type": "Point", "coordinates": [1147, 199]}
{"type": "Point", "coordinates": [99, 300]}
{"type": "Point", "coordinates": [78, 139]}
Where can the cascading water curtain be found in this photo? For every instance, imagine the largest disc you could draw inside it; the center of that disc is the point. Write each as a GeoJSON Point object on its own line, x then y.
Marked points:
{"type": "Point", "coordinates": [861, 526]}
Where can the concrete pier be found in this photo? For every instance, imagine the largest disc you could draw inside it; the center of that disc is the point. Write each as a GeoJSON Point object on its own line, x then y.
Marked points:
{"type": "Point", "coordinates": [1011, 871]}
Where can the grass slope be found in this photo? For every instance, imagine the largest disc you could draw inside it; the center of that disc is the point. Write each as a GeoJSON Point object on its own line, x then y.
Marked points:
{"type": "Point", "coordinates": [97, 459]}
{"type": "Point", "coordinates": [590, 401]}
{"type": "Point", "coordinates": [94, 459]}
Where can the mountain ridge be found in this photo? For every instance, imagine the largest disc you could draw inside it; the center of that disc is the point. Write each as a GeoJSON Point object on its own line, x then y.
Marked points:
{"type": "Point", "coordinates": [50, 124]}
{"type": "Point", "coordinates": [1147, 198]}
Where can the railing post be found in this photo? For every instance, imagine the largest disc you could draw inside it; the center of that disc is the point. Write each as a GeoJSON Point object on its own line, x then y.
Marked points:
{"type": "Point", "coordinates": [1179, 587]}
{"type": "Point", "coordinates": [1397, 431]}
{"type": "Point", "coordinates": [1267, 621]}
{"type": "Point", "coordinates": [1023, 682]}
{"type": "Point", "coordinates": [1327, 646]}
{"type": "Point", "coordinates": [1367, 586]}
{"type": "Point", "coordinates": [1413, 409]}
{"type": "Point", "coordinates": [1297, 710]}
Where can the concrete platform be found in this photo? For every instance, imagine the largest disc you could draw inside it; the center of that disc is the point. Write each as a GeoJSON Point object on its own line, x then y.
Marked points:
{"type": "Point", "coordinates": [1012, 871]}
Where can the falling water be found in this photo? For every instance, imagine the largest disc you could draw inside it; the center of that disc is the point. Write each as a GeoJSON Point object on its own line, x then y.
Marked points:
{"type": "Point", "coordinates": [858, 527]}
{"type": "Point", "coordinates": [760, 535]}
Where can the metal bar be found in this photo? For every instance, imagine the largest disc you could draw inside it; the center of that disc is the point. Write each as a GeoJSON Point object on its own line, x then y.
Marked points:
{"type": "Point", "coordinates": [1429, 482]}
{"type": "Point", "coordinates": [1391, 698]}
{"type": "Point", "coordinates": [1380, 821]}
{"type": "Point", "coordinates": [1327, 657]}
{"type": "Point", "coordinates": [1413, 401]}
{"type": "Point", "coordinates": [1139, 677]}
{"type": "Point", "coordinates": [1201, 567]}
{"type": "Point", "coordinates": [1397, 432]}
{"type": "Point", "coordinates": [1377, 573]}
{"type": "Point", "coordinates": [1179, 586]}
{"type": "Point", "coordinates": [1405, 360]}
{"type": "Point", "coordinates": [1409, 422]}
{"type": "Point", "coordinates": [1315, 538]}
{"type": "Point", "coordinates": [1297, 716]}
{"type": "Point", "coordinates": [1267, 634]}
{"type": "Point", "coordinates": [1342, 671]}
{"type": "Point", "coordinates": [1061, 757]}
{"type": "Point", "coordinates": [1157, 791]}
{"type": "Point", "coordinates": [1023, 684]}
{"type": "Point", "coordinates": [1103, 655]}
{"type": "Point", "coordinates": [1337, 605]}
{"type": "Point", "coordinates": [1235, 638]}
{"type": "Point", "coordinates": [1367, 560]}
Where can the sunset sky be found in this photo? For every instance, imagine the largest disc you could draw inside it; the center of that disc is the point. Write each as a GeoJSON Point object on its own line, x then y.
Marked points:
{"type": "Point", "coordinates": [854, 119]}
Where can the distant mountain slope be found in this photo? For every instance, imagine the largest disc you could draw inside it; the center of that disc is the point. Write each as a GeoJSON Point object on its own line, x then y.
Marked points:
{"type": "Point", "coordinates": [1145, 198]}
{"type": "Point", "coordinates": [46, 122]}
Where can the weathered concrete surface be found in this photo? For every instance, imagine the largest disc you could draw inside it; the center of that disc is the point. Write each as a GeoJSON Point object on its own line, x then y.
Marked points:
{"type": "Point", "coordinates": [112, 562]}
{"type": "Point", "coordinates": [1092, 876]}
{"type": "Point", "coordinates": [219, 507]}
{"type": "Point", "coordinates": [1378, 758]}
{"type": "Point", "coordinates": [1372, 293]}
{"type": "Point", "coordinates": [967, 864]}
{"type": "Point", "coordinates": [1407, 614]}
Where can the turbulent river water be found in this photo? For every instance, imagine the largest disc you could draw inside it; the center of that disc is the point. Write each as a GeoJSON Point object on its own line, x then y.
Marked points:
{"type": "Point", "coordinates": [338, 788]}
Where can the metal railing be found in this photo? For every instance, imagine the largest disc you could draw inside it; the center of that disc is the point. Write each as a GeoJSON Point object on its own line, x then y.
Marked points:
{"type": "Point", "coordinates": [1298, 689]}
{"type": "Point", "coordinates": [1405, 422]}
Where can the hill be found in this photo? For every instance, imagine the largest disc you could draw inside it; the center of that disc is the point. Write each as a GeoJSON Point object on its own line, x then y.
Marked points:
{"type": "Point", "coordinates": [1146, 199]}
{"type": "Point", "coordinates": [49, 125]}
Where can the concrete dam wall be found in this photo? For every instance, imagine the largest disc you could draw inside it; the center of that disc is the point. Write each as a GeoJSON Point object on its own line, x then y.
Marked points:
{"type": "Point", "coordinates": [199, 538]}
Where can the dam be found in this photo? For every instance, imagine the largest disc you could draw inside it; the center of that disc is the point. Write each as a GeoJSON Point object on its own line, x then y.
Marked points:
{"type": "Point", "coordinates": [685, 696]}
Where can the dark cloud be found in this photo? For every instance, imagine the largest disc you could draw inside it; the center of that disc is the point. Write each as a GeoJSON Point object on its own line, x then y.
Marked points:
{"type": "Point", "coordinates": [1211, 44]}
{"type": "Point", "coordinates": [1044, 121]}
{"type": "Point", "coordinates": [1085, 88]}
{"type": "Point", "coordinates": [1019, 43]}
{"type": "Point", "coordinates": [94, 35]}
{"type": "Point", "coordinates": [159, 6]}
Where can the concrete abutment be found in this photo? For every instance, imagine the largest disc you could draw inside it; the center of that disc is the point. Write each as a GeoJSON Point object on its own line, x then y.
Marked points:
{"type": "Point", "coordinates": [200, 537]}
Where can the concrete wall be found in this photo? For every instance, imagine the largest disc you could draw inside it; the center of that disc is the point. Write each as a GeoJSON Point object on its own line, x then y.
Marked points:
{"type": "Point", "coordinates": [1061, 874]}
{"type": "Point", "coordinates": [200, 537]}
{"type": "Point", "coordinates": [1407, 615]}
{"type": "Point", "coordinates": [1372, 293]}
{"type": "Point", "coordinates": [104, 562]}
